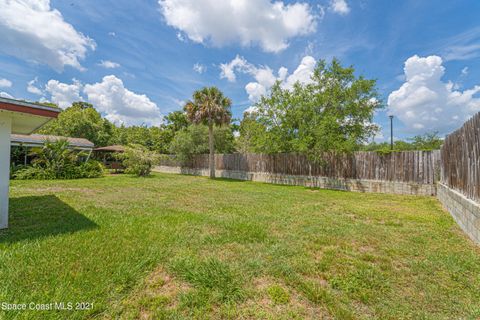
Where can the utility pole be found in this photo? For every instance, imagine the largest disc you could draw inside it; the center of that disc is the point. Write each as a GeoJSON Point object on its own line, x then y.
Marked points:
{"type": "Point", "coordinates": [391, 131]}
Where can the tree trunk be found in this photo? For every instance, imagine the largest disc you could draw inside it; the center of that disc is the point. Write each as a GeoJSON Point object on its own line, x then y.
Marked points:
{"type": "Point", "coordinates": [212, 151]}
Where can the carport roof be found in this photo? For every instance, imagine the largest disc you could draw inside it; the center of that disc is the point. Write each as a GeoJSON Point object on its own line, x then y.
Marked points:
{"type": "Point", "coordinates": [26, 116]}
{"type": "Point", "coordinates": [39, 139]}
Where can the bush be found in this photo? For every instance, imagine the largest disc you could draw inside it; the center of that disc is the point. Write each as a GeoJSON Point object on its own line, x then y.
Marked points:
{"type": "Point", "coordinates": [91, 169]}
{"type": "Point", "coordinates": [57, 161]}
{"type": "Point", "coordinates": [138, 160]}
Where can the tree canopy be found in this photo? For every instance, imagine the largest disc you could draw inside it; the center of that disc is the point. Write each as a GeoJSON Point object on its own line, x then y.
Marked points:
{"type": "Point", "coordinates": [209, 106]}
{"type": "Point", "coordinates": [81, 120]}
{"type": "Point", "coordinates": [331, 113]}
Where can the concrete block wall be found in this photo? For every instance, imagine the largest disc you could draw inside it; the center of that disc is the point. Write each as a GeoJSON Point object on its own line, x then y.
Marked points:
{"type": "Point", "coordinates": [314, 181]}
{"type": "Point", "coordinates": [466, 212]}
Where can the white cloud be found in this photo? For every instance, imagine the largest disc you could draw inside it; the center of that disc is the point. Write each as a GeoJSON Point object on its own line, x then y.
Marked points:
{"type": "Point", "coordinates": [108, 64]}
{"type": "Point", "coordinates": [340, 7]}
{"type": "Point", "coordinates": [238, 64]}
{"type": "Point", "coordinates": [426, 103]}
{"type": "Point", "coordinates": [462, 46]}
{"type": "Point", "coordinates": [255, 91]}
{"type": "Point", "coordinates": [121, 105]}
{"type": "Point", "coordinates": [303, 73]}
{"type": "Point", "coordinates": [64, 94]}
{"type": "Point", "coordinates": [181, 37]}
{"type": "Point", "coordinates": [462, 52]}
{"type": "Point", "coordinates": [5, 83]}
{"type": "Point", "coordinates": [33, 31]}
{"type": "Point", "coordinates": [263, 22]}
{"type": "Point", "coordinates": [34, 89]}
{"type": "Point", "coordinates": [109, 97]}
{"type": "Point", "coordinates": [5, 95]}
{"type": "Point", "coordinates": [199, 68]}
{"type": "Point", "coordinates": [179, 102]}
{"type": "Point", "coordinates": [265, 77]}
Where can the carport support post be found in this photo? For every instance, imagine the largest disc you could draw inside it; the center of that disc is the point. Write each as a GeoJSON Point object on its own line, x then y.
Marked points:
{"type": "Point", "coordinates": [5, 131]}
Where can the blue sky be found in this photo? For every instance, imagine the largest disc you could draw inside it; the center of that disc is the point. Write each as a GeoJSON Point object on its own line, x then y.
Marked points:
{"type": "Point", "coordinates": [149, 50]}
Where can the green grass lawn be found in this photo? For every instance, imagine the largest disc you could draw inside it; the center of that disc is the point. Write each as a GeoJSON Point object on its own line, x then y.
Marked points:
{"type": "Point", "coordinates": [173, 246]}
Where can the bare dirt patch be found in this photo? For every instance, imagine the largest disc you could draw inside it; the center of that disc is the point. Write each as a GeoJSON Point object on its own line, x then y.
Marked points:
{"type": "Point", "coordinates": [160, 291]}
{"type": "Point", "coordinates": [265, 303]}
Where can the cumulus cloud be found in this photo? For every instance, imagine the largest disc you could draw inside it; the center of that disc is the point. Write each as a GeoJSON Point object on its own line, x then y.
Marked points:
{"type": "Point", "coordinates": [121, 105]}
{"type": "Point", "coordinates": [64, 94]}
{"type": "Point", "coordinates": [5, 95]}
{"type": "Point", "coordinates": [340, 7]}
{"type": "Point", "coordinates": [238, 64]}
{"type": "Point", "coordinates": [33, 31]}
{"type": "Point", "coordinates": [32, 88]}
{"type": "Point", "coordinates": [426, 103]}
{"type": "Point", "coordinates": [199, 68]}
{"type": "Point", "coordinates": [5, 83]}
{"type": "Point", "coordinates": [109, 97]}
{"type": "Point", "coordinates": [265, 77]}
{"type": "Point", "coordinates": [108, 64]}
{"type": "Point", "coordinates": [263, 22]}
{"type": "Point", "coordinates": [303, 73]}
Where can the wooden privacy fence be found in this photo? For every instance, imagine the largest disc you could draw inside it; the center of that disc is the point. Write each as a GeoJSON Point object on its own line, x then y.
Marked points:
{"type": "Point", "coordinates": [460, 166]}
{"type": "Point", "coordinates": [408, 166]}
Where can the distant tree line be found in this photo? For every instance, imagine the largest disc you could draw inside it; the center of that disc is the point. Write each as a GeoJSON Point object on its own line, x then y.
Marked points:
{"type": "Point", "coordinates": [425, 142]}
{"type": "Point", "coordinates": [332, 113]}
{"type": "Point", "coordinates": [82, 120]}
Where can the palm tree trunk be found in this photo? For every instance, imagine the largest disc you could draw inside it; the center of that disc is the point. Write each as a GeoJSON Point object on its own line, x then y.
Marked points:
{"type": "Point", "coordinates": [212, 151]}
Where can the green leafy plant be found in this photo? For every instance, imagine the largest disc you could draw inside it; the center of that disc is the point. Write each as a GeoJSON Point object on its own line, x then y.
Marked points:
{"type": "Point", "coordinates": [56, 160]}
{"type": "Point", "coordinates": [138, 160]}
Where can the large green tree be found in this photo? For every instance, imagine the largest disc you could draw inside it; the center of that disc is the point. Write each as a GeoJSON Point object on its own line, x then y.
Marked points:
{"type": "Point", "coordinates": [332, 113]}
{"type": "Point", "coordinates": [81, 120]}
{"type": "Point", "coordinates": [209, 107]}
{"type": "Point", "coordinates": [194, 140]}
{"type": "Point", "coordinates": [174, 122]}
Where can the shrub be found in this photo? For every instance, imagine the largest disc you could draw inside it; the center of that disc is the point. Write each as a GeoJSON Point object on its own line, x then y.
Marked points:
{"type": "Point", "coordinates": [91, 169]}
{"type": "Point", "coordinates": [138, 160]}
{"type": "Point", "coordinates": [55, 160]}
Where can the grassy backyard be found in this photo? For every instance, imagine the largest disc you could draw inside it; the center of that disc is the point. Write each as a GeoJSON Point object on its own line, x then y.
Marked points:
{"type": "Point", "coordinates": [173, 246]}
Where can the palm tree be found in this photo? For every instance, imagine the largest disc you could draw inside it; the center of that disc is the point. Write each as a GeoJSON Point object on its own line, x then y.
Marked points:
{"type": "Point", "coordinates": [209, 107]}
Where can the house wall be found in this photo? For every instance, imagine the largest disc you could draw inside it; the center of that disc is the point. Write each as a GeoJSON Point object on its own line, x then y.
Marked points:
{"type": "Point", "coordinates": [5, 130]}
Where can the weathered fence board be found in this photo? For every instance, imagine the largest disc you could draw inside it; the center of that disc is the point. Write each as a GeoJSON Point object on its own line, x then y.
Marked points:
{"type": "Point", "coordinates": [460, 165]}
{"type": "Point", "coordinates": [409, 166]}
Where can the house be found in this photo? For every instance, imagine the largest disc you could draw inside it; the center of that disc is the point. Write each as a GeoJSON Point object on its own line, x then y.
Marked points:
{"type": "Point", "coordinates": [17, 117]}
{"type": "Point", "coordinates": [22, 145]}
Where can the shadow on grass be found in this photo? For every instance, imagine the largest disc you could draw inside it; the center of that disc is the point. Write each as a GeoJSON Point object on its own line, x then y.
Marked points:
{"type": "Point", "coordinates": [36, 217]}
